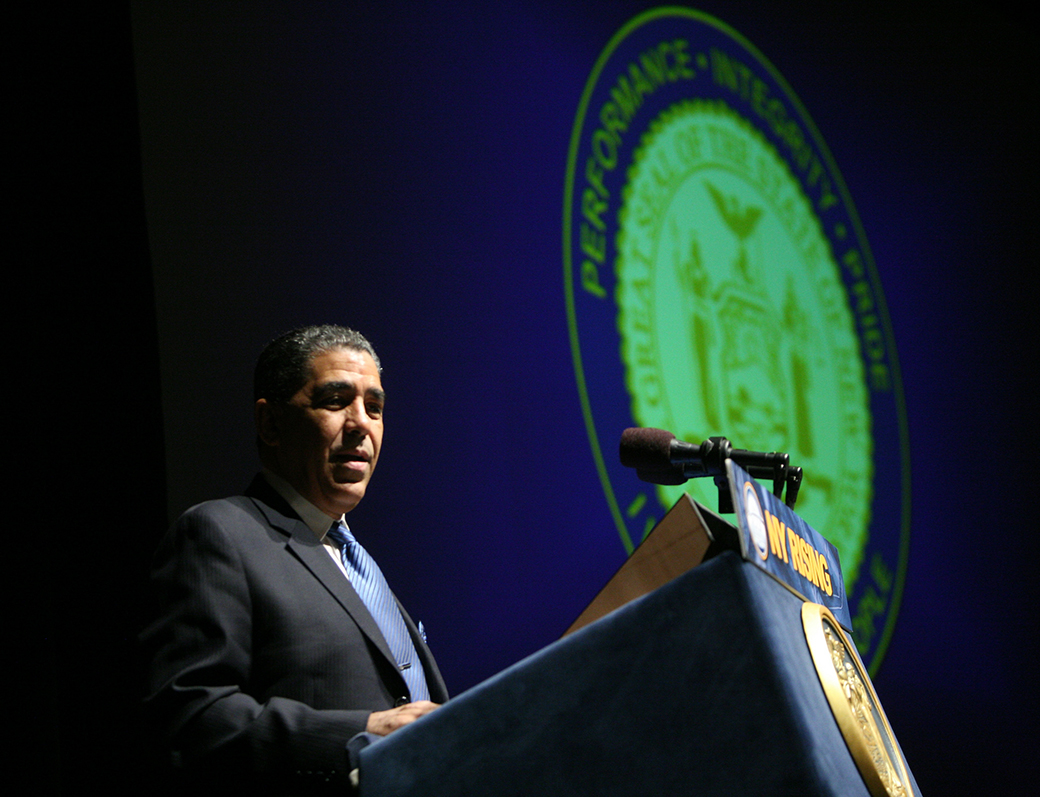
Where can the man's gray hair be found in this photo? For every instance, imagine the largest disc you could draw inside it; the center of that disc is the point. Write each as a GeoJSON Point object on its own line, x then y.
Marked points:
{"type": "Point", "coordinates": [284, 366]}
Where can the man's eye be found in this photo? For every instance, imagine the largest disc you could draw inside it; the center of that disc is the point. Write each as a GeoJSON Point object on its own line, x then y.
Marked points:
{"type": "Point", "coordinates": [375, 410]}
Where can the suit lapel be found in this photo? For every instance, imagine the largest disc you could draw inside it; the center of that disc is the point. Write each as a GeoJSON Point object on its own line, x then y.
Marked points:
{"type": "Point", "coordinates": [302, 544]}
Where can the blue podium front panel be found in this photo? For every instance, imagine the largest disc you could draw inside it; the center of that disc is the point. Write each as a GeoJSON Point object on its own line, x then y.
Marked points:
{"type": "Point", "coordinates": [705, 686]}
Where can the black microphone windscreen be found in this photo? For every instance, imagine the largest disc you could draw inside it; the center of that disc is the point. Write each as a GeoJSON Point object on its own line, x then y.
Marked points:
{"type": "Point", "coordinates": [646, 449]}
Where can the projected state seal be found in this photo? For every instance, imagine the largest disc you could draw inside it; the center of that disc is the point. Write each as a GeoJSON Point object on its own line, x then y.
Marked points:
{"type": "Point", "coordinates": [719, 283]}
{"type": "Point", "coordinates": [732, 315]}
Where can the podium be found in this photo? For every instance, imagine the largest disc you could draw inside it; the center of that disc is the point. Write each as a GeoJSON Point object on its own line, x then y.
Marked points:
{"type": "Point", "coordinates": [704, 686]}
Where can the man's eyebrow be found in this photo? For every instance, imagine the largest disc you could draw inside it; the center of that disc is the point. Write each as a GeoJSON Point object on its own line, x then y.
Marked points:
{"type": "Point", "coordinates": [327, 388]}
{"type": "Point", "coordinates": [331, 388]}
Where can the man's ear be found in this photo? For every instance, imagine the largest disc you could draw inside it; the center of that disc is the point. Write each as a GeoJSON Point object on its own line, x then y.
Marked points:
{"type": "Point", "coordinates": [266, 417]}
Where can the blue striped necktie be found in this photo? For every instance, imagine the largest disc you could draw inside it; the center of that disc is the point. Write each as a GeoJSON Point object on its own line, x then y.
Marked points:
{"type": "Point", "coordinates": [370, 585]}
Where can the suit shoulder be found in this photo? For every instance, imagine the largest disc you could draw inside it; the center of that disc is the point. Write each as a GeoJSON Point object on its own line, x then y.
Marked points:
{"type": "Point", "coordinates": [225, 521]}
{"type": "Point", "coordinates": [237, 507]}
{"type": "Point", "coordinates": [222, 512]}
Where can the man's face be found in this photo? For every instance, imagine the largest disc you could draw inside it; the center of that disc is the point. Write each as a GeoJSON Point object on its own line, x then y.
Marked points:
{"type": "Point", "coordinates": [326, 440]}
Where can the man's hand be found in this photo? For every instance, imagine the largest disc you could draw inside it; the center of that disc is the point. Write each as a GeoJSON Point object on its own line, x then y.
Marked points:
{"type": "Point", "coordinates": [384, 722]}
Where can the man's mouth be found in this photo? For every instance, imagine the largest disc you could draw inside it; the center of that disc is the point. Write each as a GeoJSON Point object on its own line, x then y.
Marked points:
{"type": "Point", "coordinates": [356, 459]}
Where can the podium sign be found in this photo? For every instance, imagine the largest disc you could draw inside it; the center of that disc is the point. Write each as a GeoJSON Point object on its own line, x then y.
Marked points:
{"type": "Point", "coordinates": [775, 539]}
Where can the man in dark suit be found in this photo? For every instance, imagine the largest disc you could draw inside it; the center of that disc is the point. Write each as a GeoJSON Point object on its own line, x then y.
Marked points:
{"type": "Point", "coordinates": [272, 645]}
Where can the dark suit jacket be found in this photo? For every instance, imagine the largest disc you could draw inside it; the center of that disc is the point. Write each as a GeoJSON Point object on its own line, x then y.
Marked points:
{"type": "Point", "coordinates": [263, 661]}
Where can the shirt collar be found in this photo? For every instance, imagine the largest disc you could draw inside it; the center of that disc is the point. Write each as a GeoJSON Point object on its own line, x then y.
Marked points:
{"type": "Point", "coordinates": [316, 520]}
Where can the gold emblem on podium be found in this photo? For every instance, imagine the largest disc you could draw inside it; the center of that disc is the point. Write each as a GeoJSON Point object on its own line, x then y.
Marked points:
{"type": "Point", "coordinates": [855, 705]}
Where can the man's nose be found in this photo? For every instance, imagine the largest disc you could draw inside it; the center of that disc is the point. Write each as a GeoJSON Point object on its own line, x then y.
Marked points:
{"type": "Point", "coordinates": [357, 418]}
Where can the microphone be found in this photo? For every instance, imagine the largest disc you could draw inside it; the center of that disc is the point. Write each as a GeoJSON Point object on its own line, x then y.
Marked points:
{"type": "Point", "coordinates": [659, 458]}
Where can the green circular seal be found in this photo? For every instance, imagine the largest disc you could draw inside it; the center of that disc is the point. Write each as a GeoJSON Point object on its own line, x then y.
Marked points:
{"type": "Point", "coordinates": [719, 283]}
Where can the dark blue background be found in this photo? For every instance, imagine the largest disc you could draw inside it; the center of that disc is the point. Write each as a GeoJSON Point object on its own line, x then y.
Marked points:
{"type": "Point", "coordinates": [246, 168]}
